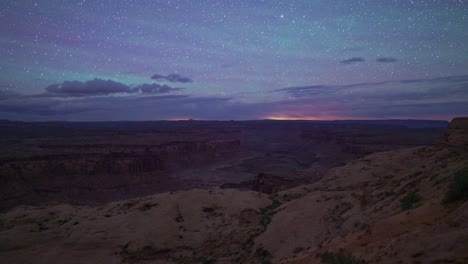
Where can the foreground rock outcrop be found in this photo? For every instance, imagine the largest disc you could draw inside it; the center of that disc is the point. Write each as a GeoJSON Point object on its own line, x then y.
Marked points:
{"type": "Point", "coordinates": [456, 133]}
{"type": "Point", "coordinates": [388, 207]}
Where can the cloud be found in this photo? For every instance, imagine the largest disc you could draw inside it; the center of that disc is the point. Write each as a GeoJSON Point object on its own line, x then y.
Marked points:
{"type": "Point", "coordinates": [449, 79]}
{"type": "Point", "coordinates": [173, 77]}
{"type": "Point", "coordinates": [98, 87]}
{"type": "Point", "coordinates": [300, 91]}
{"type": "Point", "coordinates": [418, 98]}
{"type": "Point", "coordinates": [34, 106]}
{"type": "Point", "coordinates": [88, 88]}
{"type": "Point", "coordinates": [352, 60]}
{"type": "Point", "coordinates": [154, 88]}
{"type": "Point", "coordinates": [386, 60]}
{"type": "Point", "coordinates": [447, 84]}
{"type": "Point", "coordinates": [7, 94]}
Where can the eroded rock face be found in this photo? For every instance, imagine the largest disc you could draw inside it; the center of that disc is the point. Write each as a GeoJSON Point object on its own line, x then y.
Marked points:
{"type": "Point", "coordinates": [104, 174]}
{"type": "Point", "coordinates": [457, 132]}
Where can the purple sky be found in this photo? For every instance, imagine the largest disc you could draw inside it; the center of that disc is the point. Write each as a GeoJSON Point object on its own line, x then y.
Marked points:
{"type": "Point", "coordinates": [233, 59]}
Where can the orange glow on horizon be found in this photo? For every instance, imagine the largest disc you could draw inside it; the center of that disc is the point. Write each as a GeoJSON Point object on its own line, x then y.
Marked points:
{"type": "Point", "coordinates": [331, 118]}
{"type": "Point", "coordinates": [286, 117]}
{"type": "Point", "coordinates": [294, 118]}
{"type": "Point", "coordinates": [179, 118]}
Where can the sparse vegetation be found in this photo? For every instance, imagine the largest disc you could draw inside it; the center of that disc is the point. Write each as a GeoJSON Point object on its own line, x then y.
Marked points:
{"type": "Point", "coordinates": [179, 218]}
{"type": "Point", "coordinates": [247, 244]}
{"type": "Point", "coordinates": [361, 226]}
{"type": "Point", "coordinates": [212, 211]}
{"type": "Point", "coordinates": [458, 189]}
{"type": "Point", "coordinates": [268, 212]}
{"type": "Point", "coordinates": [208, 209]}
{"type": "Point", "coordinates": [263, 255]}
{"type": "Point", "coordinates": [128, 205]}
{"type": "Point", "coordinates": [410, 201]}
{"type": "Point", "coordinates": [340, 258]}
{"type": "Point", "coordinates": [147, 206]}
{"type": "Point", "coordinates": [208, 261]}
{"type": "Point", "coordinates": [298, 250]}
{"type": "Point", "coordinates": [265, 219]}
{"type": "Point", "coordinates": [144, 254]}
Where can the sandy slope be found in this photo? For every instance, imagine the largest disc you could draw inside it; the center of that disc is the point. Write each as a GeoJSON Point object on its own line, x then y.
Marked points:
{"type": "Point", "coordinates": [180, 227]}
{"type": "Point", "coordinates": [354, 208]}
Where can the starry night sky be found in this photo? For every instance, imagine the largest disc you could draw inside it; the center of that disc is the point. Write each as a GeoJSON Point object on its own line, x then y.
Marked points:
{"type": "Point", "coordinates": [233, 59]}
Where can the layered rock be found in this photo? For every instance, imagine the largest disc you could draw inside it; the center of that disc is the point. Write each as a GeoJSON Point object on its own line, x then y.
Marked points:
{"type": "Point", "coordinates": [457, 132]}
{"type": "Point", "coordinates": [99, 174]}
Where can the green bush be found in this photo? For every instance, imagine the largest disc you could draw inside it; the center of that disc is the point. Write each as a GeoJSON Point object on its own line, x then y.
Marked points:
{"type": "Point", "coordinates": [268, 212]}
{"type": "Point", "coordinates": [340, 258]}
{"type": "Point", "coordinates": [458, 189]}
{"type": "Point", "coordinates": [410, 201]}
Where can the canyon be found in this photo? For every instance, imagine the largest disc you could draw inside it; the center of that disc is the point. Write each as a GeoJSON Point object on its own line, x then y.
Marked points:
{"type": "Point", "coordinates": [94, 163]}
{"type": "Point", "coordinates": [359, 211]}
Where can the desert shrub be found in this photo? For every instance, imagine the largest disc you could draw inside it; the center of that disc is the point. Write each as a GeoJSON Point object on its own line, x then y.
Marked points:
{"type": "Point", "coordinates": [298, 250]}
{"type": "Point", "coordinates": [211, 211]}
{"type": "Point", "coordinates": [274, 204]}
{"type": "Point", "coordinates": [247, 244]}
{"type": "Point", "coordinates": [458, 189]}
{"type": "Point", "coordinates": [143, 254]}
{"type": "Point", "coordinates": [268, 212]}
{"type": "Point", "coordinates": [147, 206]}
{"type": "Point", "coordinates": [208, 261]}
{"type": "Point", "coordinates": [208, 209]}
{"type": "Point", "coordinates": [410, 201]}
{"type": "Point", "coordinates": [339, 258]}
{"type": "Point", "coordinates": [361, 226]}
{"type": "Point", "coordinates": [179, 218]}
{"type": "Point", "coordinates": [262, 253]}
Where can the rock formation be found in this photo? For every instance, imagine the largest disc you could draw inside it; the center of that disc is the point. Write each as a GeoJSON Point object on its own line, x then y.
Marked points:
{"type": "Point", "coordinates": [457, 132]}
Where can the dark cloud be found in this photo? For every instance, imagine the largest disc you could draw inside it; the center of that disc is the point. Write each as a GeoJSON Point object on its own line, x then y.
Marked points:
{"type": "Point", "coordinates": [353, 60]}
{"type": "Point", "coordinates": [34, 106]}
{"type": "Point", "coordinates": [7, 94]}
{"type": "Point", "coordinates": [386, 60]}
{"type": "Point", "coordinates": [88, 88]}
{"type": "Point", "coordinates": [173, 77]}
{"type": "Point", "coordinates": [420, 98]}
{"type": "Point", "coordinates": [306, 90]}
{"type": "Point", "coordinates": [98, 87]}
{"type": "Point", "coordinates": [449, 84]}
{"type": "Point", "coordinates": [154, 88]}
{"type": "Point", "coordinates": [449, 79]}
{"type": "Point", "coordinates": [159, 97]}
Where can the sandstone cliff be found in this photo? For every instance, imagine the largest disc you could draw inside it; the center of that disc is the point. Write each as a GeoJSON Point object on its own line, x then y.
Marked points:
{"type": "Point", "coordinates": [104, 172]}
